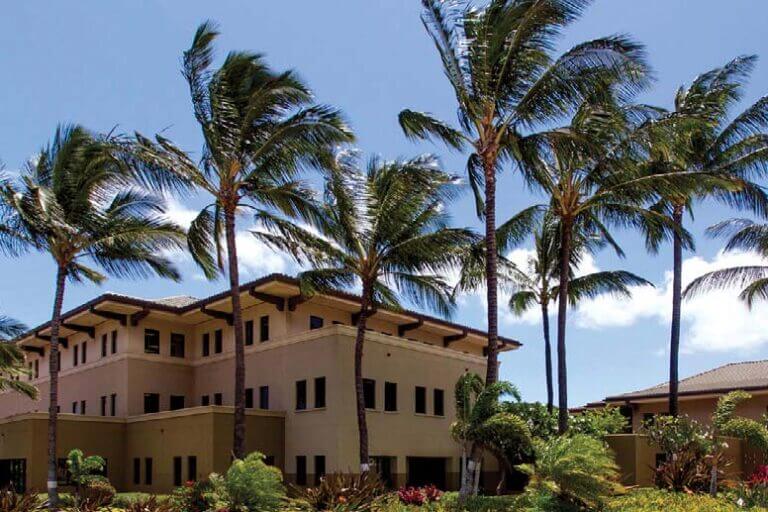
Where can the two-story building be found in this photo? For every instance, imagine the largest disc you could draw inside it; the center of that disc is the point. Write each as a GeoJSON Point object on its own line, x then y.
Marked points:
{"type": "Point", "coordinates": [149, 385]}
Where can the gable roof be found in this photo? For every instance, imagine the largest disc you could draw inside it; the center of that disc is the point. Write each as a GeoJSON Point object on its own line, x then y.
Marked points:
{"type": "Point", "coordinates": [748, 375]}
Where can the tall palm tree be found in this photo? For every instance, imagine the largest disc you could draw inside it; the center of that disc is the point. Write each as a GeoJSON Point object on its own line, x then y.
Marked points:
{"type": "Point", "coordinates": [12, 367]}
{"type": "Point", "coordinates": [537, 284]}
{"type": "Point", "coordinates": [260, 128]}
{"type": "Point", "coordinates": [500, 63]}
{"type": "Point", "coordinates": [726, 152]}
{"type": "Point", "coordinates": [77, 204]}
{"type": "Point", "coordinates": [383, 228]}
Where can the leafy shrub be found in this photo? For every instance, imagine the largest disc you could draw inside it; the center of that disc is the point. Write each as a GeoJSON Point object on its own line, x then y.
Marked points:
{"type": "Point", "coordinates": [689, 471]}
{"type": "Point", "coordinates": [339, 491]}
{"type": "Point", "coordinates": [250, 484]}
{"type": "Point", "coordinates": [654, 500]}
{"type": "Point", "coordinates": [95, 494]}
{"type": "Point", "coordinates": [126, 499]}
{"type": "Point", "coordinates": [755, 433]}
{"type": "Point", "coordinates": [11, 501]}
{"type": "Point", "coordinates": [419, 495]}
{"type": "Point", "coordinates": [194, 497]}
{"type": "Point", "coordinates": [598, 423]}
{"type": "Point", "coordinates": [150, 503]}
{"type": "Point", "coordinates": [449, 502]}
{"type": "Point", "coordinates": [541, 423]}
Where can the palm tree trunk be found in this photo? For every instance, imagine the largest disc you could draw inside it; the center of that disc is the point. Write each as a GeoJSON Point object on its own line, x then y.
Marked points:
{"type": "Point", "coordinates": [491, 263]}
{"type": "Point", "coordinates": [674, 342]}
{"type": "Point", "coordinates": [238, 446]}
{"type": "Point", "coordinates": [562, 316]}
{"type": "Point", "coordinates": [548, 357]}
{"type": "Point", "coordinates": [362, 423]}
{"type": "Point", "coordinates": [53, 399]}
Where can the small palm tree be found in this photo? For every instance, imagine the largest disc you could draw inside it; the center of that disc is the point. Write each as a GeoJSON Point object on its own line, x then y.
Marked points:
{"type": "Point", "coordinates": [12, 367]}
{"type": "Point", "coordinates": [383, 228]}
{"type": "Point", "coordinates": [77, 203]}
{"type": "Point", "coordinates": [260, 128]}
{"type": "Point", "coordinates": [499, 61]}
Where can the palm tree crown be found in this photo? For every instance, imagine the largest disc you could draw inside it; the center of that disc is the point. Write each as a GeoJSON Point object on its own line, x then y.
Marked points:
{"type": "Point", "coordinates": [12, 367]}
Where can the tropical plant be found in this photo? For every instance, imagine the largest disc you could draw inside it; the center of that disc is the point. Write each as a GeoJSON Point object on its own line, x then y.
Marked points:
{"type": "Point", "coordinates": [654, 500]}
{"type": "Point", "coordinates": [251, 485]}
{"type": "Point", "coordinates": [12, 501]}
{"type": "Point", "coordinates": [384, 228]}
{"type": "Point", "coordinates": [12, 367]}
{"type": "Point", "coordinates": [260, 129]}
{"type": "Point", "coordinates": [500, 62]}
{"type": "Point", "coordinates": [151, 503]}
{"type": "Point", "coordinates": [599, 422]}
{"type": "Point", "coordinates": [341, 492]}
{"type": "Point", "coordinates": [78, 203]}
{"type": "Point", "coordinates": [84, 469]}
{"type": "Point", "coordinates": [195, 496]}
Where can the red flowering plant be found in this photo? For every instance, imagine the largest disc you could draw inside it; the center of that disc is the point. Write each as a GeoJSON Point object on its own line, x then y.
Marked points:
{"type": "Point", "coordinates": [759, 477]}
{"type": "Point", "coordinates": [419, 495]}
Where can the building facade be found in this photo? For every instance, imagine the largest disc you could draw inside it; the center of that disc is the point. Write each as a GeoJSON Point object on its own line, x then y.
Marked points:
{"type": "Point", "coordinates": [149, 385]}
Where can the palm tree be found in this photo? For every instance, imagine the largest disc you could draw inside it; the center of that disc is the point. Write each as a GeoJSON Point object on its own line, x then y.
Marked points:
{"type": "Point", "coordinates": [77, 203]}
{"type": "Point", "coordinates": [537, 284]}
{"type": "Point", "coordinates": [12, 367]}
{"type": "Point", "coordinates": [725, 153]}
{"type": "Point", "coordinates": [260, 129]}
{"type": "Point", "coordinates": [385, 228]}
{"type": "Point", "coordinates": [499, 61]}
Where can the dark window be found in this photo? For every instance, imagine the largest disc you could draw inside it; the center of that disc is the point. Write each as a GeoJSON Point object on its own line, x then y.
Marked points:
{"type": "Point", "coordinates": [177, 402]}
{"type": "Point", "coordinates": [369, 393]}
{"type": "Point", "coordinates": [390, 396]}
{"type": "Point", "coordinates": [249, 332]}
{"type": "Point", "coordinates": [177, 345]}
{"type": "Point", "coordinates": [301, 395]}
{"type": "Point", "coordinates": [315, 322]}
{"type": "Point", "coordinates": [75, 354]}
{"type": "Point", "coordinates": [320, 392]}
{"type": "Point", "coordinates": [151, 403]}
{"type": "Point", "coordinates": [103, 345]}
{"type": "Point", "coordinates": [420, 401]}
{"type": "Point", "coordinates": [218, 341]}
{"type": "Point", "coordinates": [37, 368]}
{"type": "Point", "coordinates": [74, 407]}
{"type": "Point", "coordinates": [114, 342]}
{"type": "Point", "coordinates": [438, 405]}
{"type": "Point", "coordinates": [249, 398]}
{"type": "Point", "coordinates": [112, 404]}
{"type": "Point", "coordinates": [383, 467]}
{"type": "Point", "coordinates": [217, 399]}
{"type": "Point", "coordinates": [103, 403]}
{"type": "Point", "coordinates": [269, 460]}
{"type": "Point", "coordinates": [205, 400]}
{"type": "Point", "coordinates": [177, 471]}
{"type": "Point", "coordinates": [82, 406]}
{"type": "Point", "coordinates": [301, 470]}
{"type": "Point", "coordinates": [264, 328]}
{"type": "Point", "coordinates": [264, 397]}
{"type": "Point", "coordinates": [319, 468]}
{"type": "Point", "coordinates": [206, 345]}
{"type": "Point", "coordinates": [151, 341]}
{"type": "Point", "coordinates": [136, 471]}
{"type": "Point", "coordinates": [84, 352]}
{"type": "Point", "coordinates": [148, 471]}
{"type": "Point", "coordinates": [191, 468]}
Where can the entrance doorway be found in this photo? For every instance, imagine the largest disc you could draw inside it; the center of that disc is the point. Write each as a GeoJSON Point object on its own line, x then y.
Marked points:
{"type": "Point", "coordinates": [425, 471]}
{"type": "Point", "coordinates": [13, 474]}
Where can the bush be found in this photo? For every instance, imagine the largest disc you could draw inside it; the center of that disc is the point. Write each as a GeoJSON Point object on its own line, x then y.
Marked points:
{"type": "Point", "coordinates": [126, 499]}
{"type": "Point", "coordinates": [419, 495]}
{"type": "Point", "coordinates": [598, 423]}
{"type": "Point", "coordinates": [250, 484]}
{"type": "Point", "coordinates": [449, 502]}
{"type": "Point", "coordinates": [150, 503]}
{"type": "Point", "coordinates": [195, 497]}
{"type": "Point", "coordinates": [338, 491]}
{"type": "Point", "coordinates": [654, 500]}
{"type": "Point", "coordinates": [11, 501]}
{"type": "Point", "coordinates": [95, 494]}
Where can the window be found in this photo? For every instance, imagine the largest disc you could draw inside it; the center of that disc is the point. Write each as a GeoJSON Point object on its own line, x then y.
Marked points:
{"type": "Point", "coordinates": [103, 403]}
{"type": "Point", "coordinates": [148, 471]}
{"type": "Point", "coordinates": [151, 403]}
{"type": "Point", "coordinates": [103, 345]}
{"type": "Point", "coordinates": [114, 342]}
{"type": "Point", "coordinates": [205, 400]}
{"type": "Point", "coordinates": [264, 397]}
{"type": "Point", "coordinates": [315, 322]}
{"type": "Point", "coordinates": [264, 328]}
{"type": "Point", "coordinates": [136, 471]}
{"type": "Point", "coordinates": [249, 332]}
{"type": "Point", "coordinates": [420, 402]}
{"type": "Point", "coordinates": [319, 392]}
{"type": "Point", "coordinates": [218, 341]}
{"type": "Point", "coordinates": [390, 396]}
{"type": "Point", "coordinates": [269, 460]}
{"type": "Point", "coordinates": [75, 354]}
{"type": "Point", "coordinates": [249, 398]}
{"type": "Point", "coordinates": [301, 395]}
{"type": "Point", "coordinates": [74, 407]}
{"type": "Point", "coordinates": [82, 406]}
{"type": "Point", "coordinates": [191, 468]}
{"type": "Point", "coordinates": [177, 345]}
{"type": "Point", "coordinates": [177, 471]}
{"type": "Point", "coordinates": [438, 402]}
{"type": "Point", "coordinates": [369, 393]}
{"type": "Point", "coordinates": [217, 399]}
{"type": "Point", "coordinates": [301, 470]}
{"type": "Point", "coordinates": [37, 368]}
{"type": "Point", "coordinates": [84, 352]}
{"type": "Point", "coordinates": [112, 404]}
{"type": "Point", "coordinates": [319, 468]}
{"type": "Point", "coordinates": [151, 341]}
{"type": "Point", "coordinates": [177, 402]}
{"type": "Point", "coordinates": [206, 345]}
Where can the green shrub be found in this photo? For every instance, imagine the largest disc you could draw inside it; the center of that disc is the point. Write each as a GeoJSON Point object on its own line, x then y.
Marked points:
{"type": "Point", "coordinates": [344, 492]}
{"type": "Point", "coordinates": [197, 496]}
{"type": "Point", "coordinates": [252, 485]}
{"type": "Point", "coordinates": [598, 423]}
{"type": "Point", "coordinates": [95, 494]}
{"type": "Point", "coordinates": [11, 501]}
{"type": "Point", "coordinates": [151, 503]}
{"type": "Point", "coordinates": [125, 499]}
{"type": "Point", "coordinates": [654, 500]}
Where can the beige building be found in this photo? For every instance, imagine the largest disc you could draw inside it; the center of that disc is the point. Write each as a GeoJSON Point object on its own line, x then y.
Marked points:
{"type": "Point", "coordinates": [148, 384]}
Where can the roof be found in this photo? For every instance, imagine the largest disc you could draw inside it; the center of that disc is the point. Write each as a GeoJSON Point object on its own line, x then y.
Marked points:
{"type": "Point", "coordinates": [748, 375]}
{"type": "Point", "coordinates": [178, 301]}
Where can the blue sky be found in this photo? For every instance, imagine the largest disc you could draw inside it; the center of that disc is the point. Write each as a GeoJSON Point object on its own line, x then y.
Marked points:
{"type": "Point", "coordinates": [107, 64]}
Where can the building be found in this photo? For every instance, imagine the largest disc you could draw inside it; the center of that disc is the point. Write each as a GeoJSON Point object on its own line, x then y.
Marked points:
{"type": "Point", "coordinates": [698, 394]}
{"type": "Point", "coordinates": [148, 384]}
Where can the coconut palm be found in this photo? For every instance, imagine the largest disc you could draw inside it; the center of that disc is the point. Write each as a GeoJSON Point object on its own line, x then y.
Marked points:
{"type": "Point", "coordinates": [726, 152]}
{"type": "Point", "coordinates": [385, 229]}
{"type": "Point", "coordinates": [12, 367]}
{"type": "Point", "coordinates": [500, 63]}
{"type": "Point", "coordinates": [260, 128]}
{"type": "Point", "coordinates": [77, 204]}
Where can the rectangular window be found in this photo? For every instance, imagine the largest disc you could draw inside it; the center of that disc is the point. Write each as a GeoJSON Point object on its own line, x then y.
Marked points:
{"type": "Point", "coordinates": [82, 406]}
{"type": "Point", "coordinates": [218, 341]}
{"type": "Point", "coordinates": [84, 352]}
{"type": "Point", "coordinates": [301, 395]}
{"type": "Point", "coordinates": [37, 368]}
{"type": "Point", "coordinates": [206, 345]}
{"type": "Point", "coordinates": [177, 471]}
{"type": "Point", "coordinates": [191, 468]}
{"type": "Point", "coordinates": [319, 392]}
{"type": "Point", "coordinates": [420, 400]}
{"type": "Point", "coordinates": [114, 342]}
{"type": "Point", "coordinates": [217, 399]}
{"type": "Point", "coordinates": [112, 404]}
{"type": "Point", "coordinates": [249, 398]}
{"type": "Point", "coordinates": [315, 322]}
{"type": "Point", "coordinates": [75, 355]}
{"type": "Point", "coordinates": [319, 468]}
{"type": "Point", "coordinates": [177, 402]}
{"type": "Point", "coordinates": [249, 332]}
{"type": "Point", "coordinates": [264, 328]}
{"type": "Point", "coordinates": [438, 402]}
{"type": "Point", "coordinates": [264, 397]}
{"type": "Point", "coordinates": [205, 400]}
{"type": "Point", "coordinates": [136, 471]}
{"type": "Point", "coordinates": [301, 470]}
{"type": "Point", "coordinates": [390, 396]}
{"type": "Point", "coordinates": [369, 393]}
{"type": "Point", "coordinates": [104, 345]}
{"type": "Point", "coordinates": [103, 404]}
{"type": "Point", "coordinates": [151, 341]}
{"type": "Point", "coordinates": [151, 403]}
{"type": "Point", "coordinates": [148, 471]}
{"type": "Point", "coordinates": [74, 407]}
{"type": "Point", "coordinates": [177, 345]}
